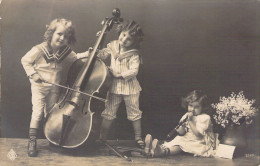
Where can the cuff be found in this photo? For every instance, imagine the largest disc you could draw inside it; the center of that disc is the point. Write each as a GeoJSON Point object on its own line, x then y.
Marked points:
{"type": "Point", "coordinates": [31, 74]}
{"type": "Point", "coordinates": [83, 55]}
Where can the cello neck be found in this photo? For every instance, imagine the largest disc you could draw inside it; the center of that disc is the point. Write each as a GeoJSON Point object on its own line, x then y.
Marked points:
{"type": "Point", "coordinates": [86, 69]}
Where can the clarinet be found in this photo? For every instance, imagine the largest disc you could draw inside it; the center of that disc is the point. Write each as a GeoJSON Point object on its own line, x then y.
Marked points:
{"type": "Point", "coordinates": [173, 131]}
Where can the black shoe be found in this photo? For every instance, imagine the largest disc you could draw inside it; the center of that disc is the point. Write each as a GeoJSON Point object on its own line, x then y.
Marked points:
{"type": "Point", "coordinates": [140, 143]}
{"type": "Point", "coordinates": [32, 147]}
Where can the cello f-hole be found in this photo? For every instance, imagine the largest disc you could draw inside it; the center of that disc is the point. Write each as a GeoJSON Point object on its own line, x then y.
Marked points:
{"type": "Point", "coordinates": [83, 106]}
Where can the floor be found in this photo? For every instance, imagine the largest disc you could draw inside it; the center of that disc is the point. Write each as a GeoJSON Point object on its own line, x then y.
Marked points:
{"type": "Point", "coordinates": [52, 156]}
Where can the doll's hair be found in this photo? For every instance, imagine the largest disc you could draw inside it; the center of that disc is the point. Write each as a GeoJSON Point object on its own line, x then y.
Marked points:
{"type": "Point", "coordinates": [70, 30]}
{"type": "Point", "coordinates": [197, 96]}
{"type": "Point", "coordinates": [134, 29]}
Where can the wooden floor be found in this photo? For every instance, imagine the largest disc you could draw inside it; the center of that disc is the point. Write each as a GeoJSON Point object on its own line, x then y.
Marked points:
{"type": "Point", "coordinates": [52, 156]}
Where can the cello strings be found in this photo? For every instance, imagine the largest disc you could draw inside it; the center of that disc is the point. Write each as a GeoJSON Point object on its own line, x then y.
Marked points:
{"type": "Point", "coordinates": [98, 98]}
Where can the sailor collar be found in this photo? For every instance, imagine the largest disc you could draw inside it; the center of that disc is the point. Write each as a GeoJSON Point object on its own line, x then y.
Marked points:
{"type": "Point", "coordinates": [49, 56]}
{"type": "Point", "coordinates": [123, 55]}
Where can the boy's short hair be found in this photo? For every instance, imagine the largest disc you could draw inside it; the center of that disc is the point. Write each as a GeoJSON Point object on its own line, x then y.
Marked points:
{"type": "Point", "coordinates": [134, 29]}
{"type": "Point", "coordinates": [196, 96]}
{"type": "Point", "coordinates": [70, 30]}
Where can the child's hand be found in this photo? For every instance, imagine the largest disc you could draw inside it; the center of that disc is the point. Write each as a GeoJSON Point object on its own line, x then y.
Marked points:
{"type": "Point", "coordinates": [36, 78]}
{"type": "Point", "coordinates": [98, 33]}
{"type": "Point", "coordinates": [190, 116]}
{"type": "Point", "coordinates": [114, 73]}
{"type": "Point", "coordinates": [83, 55]}
{"type": "Point", "coordinates": [181, 130]}
{"type": "Point", "coordinates": [117, 75]}
{"type": "Point", "coordinates": [90, 49]}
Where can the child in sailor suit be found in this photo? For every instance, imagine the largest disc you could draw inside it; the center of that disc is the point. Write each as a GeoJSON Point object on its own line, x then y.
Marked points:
{"type": "Point", "coordinates": [125, 61]}
{"type": "Point", "coordinates": [45, 62]}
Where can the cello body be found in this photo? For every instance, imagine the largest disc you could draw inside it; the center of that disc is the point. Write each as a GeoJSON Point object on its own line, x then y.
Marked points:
{"type": "Point", "coordinates": [78, 116]}
{"type": "Point", "coordinates": [71, 122]}
{"type": "Point", "coordinates": [80, 125]}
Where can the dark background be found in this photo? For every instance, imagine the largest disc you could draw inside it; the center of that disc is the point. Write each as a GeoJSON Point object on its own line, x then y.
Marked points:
{"type": "Point", "coordinates": [209, 45]}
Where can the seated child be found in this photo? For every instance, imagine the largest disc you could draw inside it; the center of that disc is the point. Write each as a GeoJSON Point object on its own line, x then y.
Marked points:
{"type": "Point", "coordinates": [45, 62]}
{"type": "Point", "coordinates": [197, 133]}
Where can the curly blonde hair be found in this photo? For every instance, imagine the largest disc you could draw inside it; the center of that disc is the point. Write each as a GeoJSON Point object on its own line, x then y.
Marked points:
{"type": "Point", "coordinates": [70, 30]}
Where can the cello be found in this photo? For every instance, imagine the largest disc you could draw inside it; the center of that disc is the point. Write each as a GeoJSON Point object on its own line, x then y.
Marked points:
{"type": "Point", "coordinates": [70, 122]}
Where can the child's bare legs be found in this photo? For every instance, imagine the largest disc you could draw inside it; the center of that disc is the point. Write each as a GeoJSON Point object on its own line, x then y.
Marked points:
{"type": "Point", "coordinates": [161, 151]}
{"type": "Point", "coordinates": [157, 150]}
{"type": "Point", "coordinates": [175, 150]}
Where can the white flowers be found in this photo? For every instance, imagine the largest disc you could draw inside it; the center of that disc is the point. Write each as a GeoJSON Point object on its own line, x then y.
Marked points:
{"type": "Point", "coordinates": [234, 110]}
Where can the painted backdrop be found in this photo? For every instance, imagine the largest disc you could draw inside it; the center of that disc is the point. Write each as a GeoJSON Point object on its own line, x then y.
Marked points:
{"type": "Point", "coordinates": [210, 45]}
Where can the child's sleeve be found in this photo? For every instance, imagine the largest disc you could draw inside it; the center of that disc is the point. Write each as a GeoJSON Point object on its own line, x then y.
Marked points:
{"type": "Point", "coordinates": [82, 55]}
{"type": "Point", "coordinates": [203, 123]}
{"type": "Point", "coordinates": [74, 56]}
{"type": "Point", "coordinates": [105, 52]}
{"type": "Point", "coordinates": [71, 57]}
{"type": "Point", "coordinates": [134, 63]}
{"type": "Point", "coordinates": [28, 60]}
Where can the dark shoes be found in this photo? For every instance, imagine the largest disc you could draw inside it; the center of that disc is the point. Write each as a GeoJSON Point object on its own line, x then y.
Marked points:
{"type": "Point", "coordinates": [32, 144]}
{"type": "Point", "coordinates": [140, 143]}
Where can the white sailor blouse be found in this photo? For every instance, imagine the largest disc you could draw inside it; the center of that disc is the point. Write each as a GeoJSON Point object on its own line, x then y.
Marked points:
{"type": "Point", "coordinates": [127, 63]}
{"type": "Point", "coordinates": [40, 59]}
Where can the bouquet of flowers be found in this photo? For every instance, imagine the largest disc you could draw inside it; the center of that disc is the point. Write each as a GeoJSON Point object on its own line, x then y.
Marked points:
{"type": "Point", "coordinates": [234, 110]}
